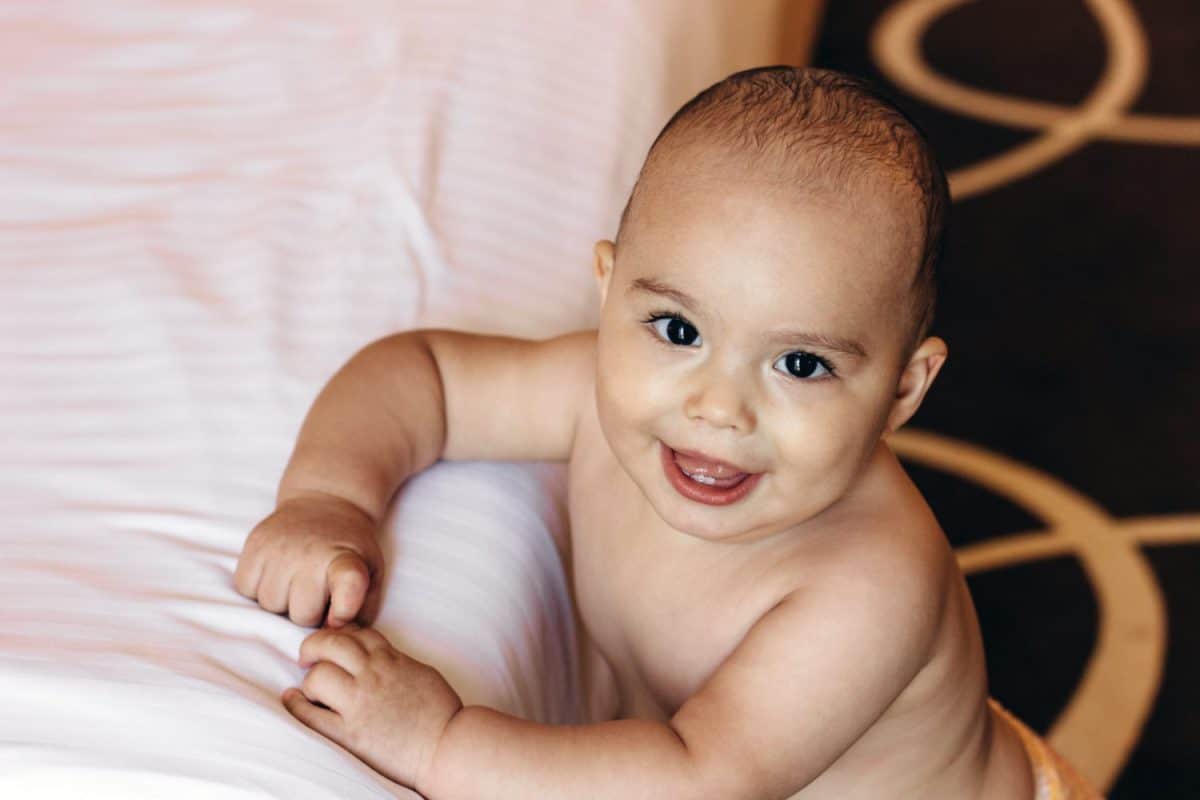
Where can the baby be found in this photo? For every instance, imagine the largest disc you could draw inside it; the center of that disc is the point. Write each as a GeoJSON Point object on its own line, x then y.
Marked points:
{"type": "Point", "coordinates": [769, 592]}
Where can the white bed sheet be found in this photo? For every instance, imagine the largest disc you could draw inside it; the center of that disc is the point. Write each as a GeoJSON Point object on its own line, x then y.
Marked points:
{"type": "Point", "coordinates": [205, 208]}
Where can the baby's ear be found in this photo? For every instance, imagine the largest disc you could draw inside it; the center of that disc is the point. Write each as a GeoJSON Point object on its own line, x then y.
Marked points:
{"type": "Point", "coordinates": [603, 267]}
{"type": "Point", "coordinates": [923, 366]}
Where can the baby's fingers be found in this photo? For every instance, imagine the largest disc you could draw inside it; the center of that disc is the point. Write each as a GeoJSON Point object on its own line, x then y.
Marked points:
{"type": "Point", "coordinates": [349, 580]}
{"type": "Point", "coordinates": [322, 720]}
{"type": "Point", "coordinates": [370, 609]}
{"type": "Point", "coordinates": [306, 600]}
{"type": "Point", "coordinates": [248, 574]}
{"type": "Point", "coordinates": [273, 590]}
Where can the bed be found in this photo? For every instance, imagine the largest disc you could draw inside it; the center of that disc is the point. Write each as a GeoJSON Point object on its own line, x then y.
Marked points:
{"type": "Point", "coordinates": [205, 208]}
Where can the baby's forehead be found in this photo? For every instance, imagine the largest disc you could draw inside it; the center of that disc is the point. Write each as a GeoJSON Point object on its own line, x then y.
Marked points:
{"type": "Point", "coordinates": [817, 175]}
{"type": "Point", "coordinates": [733, 233]}
{"type": "Point", "coordinates": [718, 186]}
{"type": "Point", "coordinates": [754, 234]}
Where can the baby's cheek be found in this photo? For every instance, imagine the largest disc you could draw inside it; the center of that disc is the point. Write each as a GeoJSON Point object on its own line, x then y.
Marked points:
{"type": "Point", "coordinates": [623, 413]}
{"type": "Point", "coordinates": [625, 386]}
{"type": "Point", "coordinates": [818, 450]}
{"type": "Point", "coordinates": [613, 408]}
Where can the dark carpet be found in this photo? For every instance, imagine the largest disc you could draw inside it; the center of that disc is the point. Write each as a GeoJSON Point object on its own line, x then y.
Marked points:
{"type": "Point", "coordinates": [1070, 301]}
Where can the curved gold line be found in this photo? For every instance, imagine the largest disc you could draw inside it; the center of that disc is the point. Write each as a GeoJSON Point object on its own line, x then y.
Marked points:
{"type": "Point", "coordinates": [1024, 546]}
{"type": "Point", "coordinates": [1162, 530]}
{"type": "Point", "coordinates": [1038, 492]}
{"type": "Point", "coordinates": [1162, 130]}
{"type": "Point", "coordinates": [895, 46]}
{"type": "Point", "coordinates": [1010, 550]}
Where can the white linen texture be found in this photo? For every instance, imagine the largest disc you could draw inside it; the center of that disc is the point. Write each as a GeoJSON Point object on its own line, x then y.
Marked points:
{"type": "Point", "coordinates": [205, 209]}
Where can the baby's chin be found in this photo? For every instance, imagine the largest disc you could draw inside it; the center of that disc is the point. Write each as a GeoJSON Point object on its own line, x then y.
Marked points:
{"type": "Point", "coordinates": [690, 525]}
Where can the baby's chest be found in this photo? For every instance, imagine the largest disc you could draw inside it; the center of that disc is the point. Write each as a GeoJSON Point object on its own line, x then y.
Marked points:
{"type": "Point", "coordinates": [664, 618]}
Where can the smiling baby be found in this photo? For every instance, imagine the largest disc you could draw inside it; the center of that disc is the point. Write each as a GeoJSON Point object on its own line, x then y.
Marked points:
{"type": "Point", "coordinates": [771, 596]}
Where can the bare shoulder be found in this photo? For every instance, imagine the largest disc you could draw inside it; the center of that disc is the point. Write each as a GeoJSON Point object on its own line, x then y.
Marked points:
{"type": "Point", "coordinates": [893, 558]}
{"type": "Point", "coordinates": [825, 662]}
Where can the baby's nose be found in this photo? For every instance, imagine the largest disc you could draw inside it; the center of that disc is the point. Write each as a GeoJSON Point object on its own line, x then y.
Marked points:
{"type": "Point", "coordinates": [723, 402]}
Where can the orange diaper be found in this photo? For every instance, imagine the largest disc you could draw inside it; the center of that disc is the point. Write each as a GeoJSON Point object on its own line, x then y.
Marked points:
{"type": "Point", "coordinates": [1054, 778]}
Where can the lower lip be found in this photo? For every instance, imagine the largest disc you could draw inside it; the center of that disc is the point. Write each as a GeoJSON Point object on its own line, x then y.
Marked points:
{"type": "Point", "coordinates": [700, 492]}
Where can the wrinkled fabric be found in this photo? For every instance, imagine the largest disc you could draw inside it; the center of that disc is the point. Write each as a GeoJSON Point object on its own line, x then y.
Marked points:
{"type": "Point", "coordinates": [205, 209]}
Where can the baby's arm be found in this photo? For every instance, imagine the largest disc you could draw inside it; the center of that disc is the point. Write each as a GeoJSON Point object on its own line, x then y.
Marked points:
{"type": "Point", "coordinates": [805, 683]}
{"type": "Point", "coordinates": [408, 400]}
{"type": "Point", "coordinates": [394, 409]}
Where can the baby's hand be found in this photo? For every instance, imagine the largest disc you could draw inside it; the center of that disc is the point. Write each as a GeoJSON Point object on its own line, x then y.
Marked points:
{"type": "Point", "coordinates": [375, 701]}
{"type": "Point", "coordinates": [314, 550]}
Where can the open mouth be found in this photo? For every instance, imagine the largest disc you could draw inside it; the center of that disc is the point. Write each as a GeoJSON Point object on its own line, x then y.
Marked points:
{"type": "Point", "coordinates": [713, 483]}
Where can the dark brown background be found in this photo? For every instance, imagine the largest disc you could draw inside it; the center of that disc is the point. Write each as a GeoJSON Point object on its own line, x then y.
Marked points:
{"type": "Point", "coordinates": [1070, 301]}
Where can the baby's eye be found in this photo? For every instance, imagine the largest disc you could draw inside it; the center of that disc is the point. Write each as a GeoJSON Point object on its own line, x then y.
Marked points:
{"type": "Point", "coordinates": [802, 365]}
{"type": "Point", "coordinates": [675, 329]}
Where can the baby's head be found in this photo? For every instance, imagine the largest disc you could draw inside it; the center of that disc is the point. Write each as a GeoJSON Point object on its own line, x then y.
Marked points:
{"type": "Point", "coordinates": [768, 299]}
{"type": "Point", "coordinates": [809, 132]}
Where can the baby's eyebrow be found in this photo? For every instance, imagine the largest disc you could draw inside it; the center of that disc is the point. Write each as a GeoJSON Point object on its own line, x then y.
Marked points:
{"type": "Point", "coordinates": [823, 341]}
{"type": "Point", "coordinates": [658, 287]}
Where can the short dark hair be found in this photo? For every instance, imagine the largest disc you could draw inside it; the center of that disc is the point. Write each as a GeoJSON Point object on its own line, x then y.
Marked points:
{"type": "Point", "coordinates": [838, 123]}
